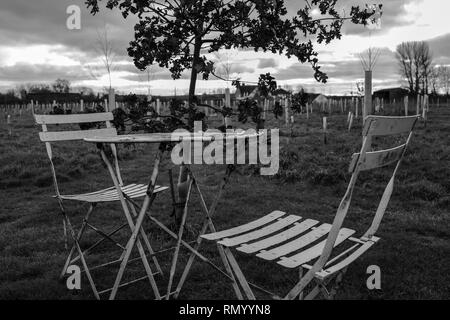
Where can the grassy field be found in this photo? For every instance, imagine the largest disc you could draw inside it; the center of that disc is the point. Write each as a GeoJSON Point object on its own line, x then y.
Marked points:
{"type": "Point", "coordinates": [414, 253]}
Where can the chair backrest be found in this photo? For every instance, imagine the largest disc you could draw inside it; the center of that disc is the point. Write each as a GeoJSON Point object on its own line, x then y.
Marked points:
{"type": "Point", "coordinates": [49, 137]}
{"type": "Point", "coordinates": [367, 160]}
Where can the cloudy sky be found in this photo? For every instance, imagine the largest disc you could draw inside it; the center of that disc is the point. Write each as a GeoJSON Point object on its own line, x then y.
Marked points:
{"type": "Point", "coordinates": [36, 46]}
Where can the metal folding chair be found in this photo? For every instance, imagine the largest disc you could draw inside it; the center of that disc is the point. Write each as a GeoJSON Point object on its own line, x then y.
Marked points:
{"type": "Point", "coordinates": [111, 194]}
{"type": "Point", "coordinates": [294, 242]}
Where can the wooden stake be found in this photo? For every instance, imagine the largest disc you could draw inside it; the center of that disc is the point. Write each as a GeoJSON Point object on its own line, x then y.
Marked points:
{"type": "Point", "coordinates": [286, 110]}
{"type": "Point", "coordinates": [367, 110]}
{"type": "Point", "coordinates": [8, 122]}
{"type": "Point", "coordinates": [350, 124]}
{"type": "Point", "coordinates": [418, 104]}
{"type": "Point", "coordinates": [406, 102]}
{"type": "Point", "coordinates": [158, 108]}
{"type": "Point", "coordinates": [227, 104]}
{"type": "Point", "coordinates": [112, 100]}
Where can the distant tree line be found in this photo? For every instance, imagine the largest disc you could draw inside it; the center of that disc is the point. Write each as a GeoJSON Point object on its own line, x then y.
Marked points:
{"type": "Point", "coordinates": [60, 89]}
{"type": "Point", "coordinates": [417, 68]}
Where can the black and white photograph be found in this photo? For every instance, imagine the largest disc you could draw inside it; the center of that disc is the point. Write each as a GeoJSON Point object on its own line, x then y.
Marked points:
{"type": "Point", "coordinates": [211, 151]}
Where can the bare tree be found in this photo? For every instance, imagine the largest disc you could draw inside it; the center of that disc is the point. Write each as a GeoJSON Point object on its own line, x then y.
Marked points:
{"type": "Point", "coordinates": [369, 58]}
{"type": "Point", "coordinates": [425, 64]}
{"type": "Point", "coordinates": [224, 65]}
{"type": "Point", "coordinates": [105, 49]}
{"type": "Point", "coordinates": [405, 58]}
{"type": "Point", "coordinates": [434, 80]}
{"type": "Point", "coordinates": [61, 86]}
{"type": "Point", "coordinates": [444, 78]}
{"type": "Point", "coordinates": [415, 62]}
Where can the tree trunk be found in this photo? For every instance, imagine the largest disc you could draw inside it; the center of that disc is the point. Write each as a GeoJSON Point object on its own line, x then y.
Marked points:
{"type": "Point", "coordinates": [183, 181]}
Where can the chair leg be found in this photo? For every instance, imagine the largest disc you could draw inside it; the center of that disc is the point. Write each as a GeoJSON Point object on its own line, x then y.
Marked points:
{"type": "Point", "coordinates": [129, 247]}
{"type": "Point", "coordinates": [80, 234]}
{"type": "Point", "coordinates": [179, 239]}
{"type": "Point", "coordinates": [240, 276]}
{"type": "Point", "coordinates": [337, 283]}
{"type": "Point", "coordinates": [227, 266]}
{"type": "Point", "coordinates": [332, 293]}
{"type": "Point", "coordinates": [323, 289]}
{"type": "Point", "coordinates": [105, 236]}
{"type": "Point", "coordinates": [96, 244]}
{"type": "Point", "coordinates": [300, 286]}
{"type": "Point", "coordinates": [80, 252]}
{"type": "Point", "coordinates": [66, 242]}
{"type": "Point", "coordinates": [209, 224]}
{"type": "Point", "coordinates": [146, 241]}
{"type": "Point", "coordinates": [300, 276]}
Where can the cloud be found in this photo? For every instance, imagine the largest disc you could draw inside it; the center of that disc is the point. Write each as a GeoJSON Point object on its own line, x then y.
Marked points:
{"type": "Point", "coordinates": [44, 22]}
{"type": "Point", "coordinates": [267, 63]}
{"type": "Point", "coordinates": [26, 72]}
{"type": "Point", "coordinates": [346, 73]}
{"type": "Point", "coordinates": [239, 68]}
{"type": "Point", "coordinates": [440, 47]}
{"type": "Point", "coordinates": [36, 46]}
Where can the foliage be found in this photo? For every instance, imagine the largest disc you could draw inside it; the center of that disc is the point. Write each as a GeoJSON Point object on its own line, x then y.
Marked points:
{"type": "Point", "coordinates": [177, 34]}
{"type": "Point", "coordinates": [57, 110]}
{"type": "Point", "coordinates": [299, 101]}
{"type": "Point", "coordinates": [61, 86]}
{"type": "Point", "coordinates": [39, 88]}
{"type": "Point", "coordinates": [277, 109]}
{"type": "Point", "coordinates": [145, 118]}
{"type": "Point", "coordinates": [248, 108]}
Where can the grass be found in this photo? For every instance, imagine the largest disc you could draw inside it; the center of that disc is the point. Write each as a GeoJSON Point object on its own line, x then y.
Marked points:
{"type": "Point", "coordinates": [414, 253]}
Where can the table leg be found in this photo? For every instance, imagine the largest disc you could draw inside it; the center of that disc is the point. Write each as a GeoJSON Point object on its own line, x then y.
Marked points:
{"type": "Point", "coordinates": [180, 236]}
{"type": "Point", "coordinates": [134, 227]}
{"type": "Point", "coordinates": [208, 224]}
{"type": "Point", "coordinates": [130, 245]}
{"type": "Point", "coordinates": [147, 243]}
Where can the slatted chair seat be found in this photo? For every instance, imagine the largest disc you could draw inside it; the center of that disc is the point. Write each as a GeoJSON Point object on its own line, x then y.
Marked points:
{"type": "Point", "coordinates": [279, 237]}
{"type": "Point", "coordinates": [324, 250]}
{"type": "Point", "coordinates": [133, 191]}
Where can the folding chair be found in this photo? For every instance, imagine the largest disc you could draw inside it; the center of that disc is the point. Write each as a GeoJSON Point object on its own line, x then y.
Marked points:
{"type": "Point", "coordinates": [296, 243]}
{"type": "Point", "coordinates": [131, 191]}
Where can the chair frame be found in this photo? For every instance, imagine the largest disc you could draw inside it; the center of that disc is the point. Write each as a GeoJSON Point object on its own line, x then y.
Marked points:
{"type": "Point", "coordinates": [63, 136]}
{"type": "Point", "coordinates": [321, 273]}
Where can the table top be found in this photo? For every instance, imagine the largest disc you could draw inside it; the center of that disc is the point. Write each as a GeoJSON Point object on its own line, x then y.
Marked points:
{"type": "Point", "coordinates": [170, 137]}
